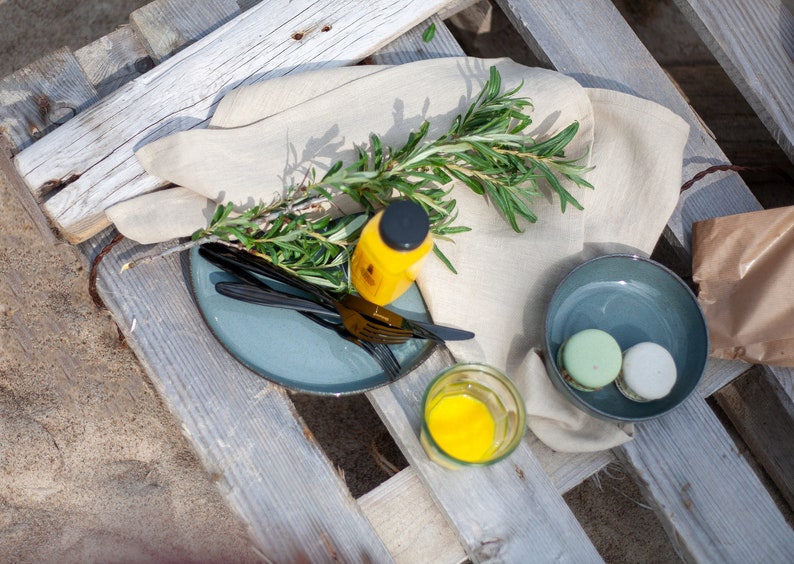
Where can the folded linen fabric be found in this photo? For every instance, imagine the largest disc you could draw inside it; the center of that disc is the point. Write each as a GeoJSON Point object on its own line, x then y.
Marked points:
{"type": "Point", "coordinates": [263, 138]}
{"type": "Point", "coordinates": [637, 153]}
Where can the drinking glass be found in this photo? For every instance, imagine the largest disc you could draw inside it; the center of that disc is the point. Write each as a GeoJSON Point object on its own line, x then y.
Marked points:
{"type": "Point", "coordinates": [472, 415]}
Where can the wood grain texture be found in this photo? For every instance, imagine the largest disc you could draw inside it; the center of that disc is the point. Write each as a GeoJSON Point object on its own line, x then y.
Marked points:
{"type": "Point", "coordinates": [592, 43]}
{"type": "Point", "coordinates": [719, 373]}
{"type": "Point", "coordinates": [166, 26]}
{"type": "Point", "coordinates": [245, 430]}
{"type": "Point", "coordinates": [411, 47]}
{"type": "Point", "coordinates": [784, 377]}
{"type": "Point", "coordinates": [769, 431]}
{"type": "Point", "coordinates": [97, 147]}
{"type": "Point", "coordinates": [709, 499]}
{"type": "Point", "coordinates": [247, 4]}
{"type": "Point", "coordinates": [39, 98]}
{"type": "Point", "coordinates": [413, 527]}
{"type": "Point", "coordinates": [754, 43]}
{"type": "Point", "coordinates": [502, 512]}
{"type": "Point", "coordinates": [25, 198]}
{"type": "Point", "coordinates": [114, 60]}
{"type": "Point", "coordinates": [410, 524]}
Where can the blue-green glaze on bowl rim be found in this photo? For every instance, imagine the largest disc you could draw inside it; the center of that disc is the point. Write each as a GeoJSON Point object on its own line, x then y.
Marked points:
{"type": "Point", "coordinates": [288, 349]}
{"type": "Point", "coordinates": [634, 299]}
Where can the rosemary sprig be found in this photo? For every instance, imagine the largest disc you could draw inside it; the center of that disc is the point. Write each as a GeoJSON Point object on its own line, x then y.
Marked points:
{"type": "Point", "coordinates": [484, 149]}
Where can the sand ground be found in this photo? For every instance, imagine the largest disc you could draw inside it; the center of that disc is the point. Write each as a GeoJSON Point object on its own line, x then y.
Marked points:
{"type": "Point", "coordinates": [92, 466]}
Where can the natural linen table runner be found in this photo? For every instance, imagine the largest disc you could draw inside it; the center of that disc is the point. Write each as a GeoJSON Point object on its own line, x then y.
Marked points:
{"type": "Point", "coordinates": [263, 138]}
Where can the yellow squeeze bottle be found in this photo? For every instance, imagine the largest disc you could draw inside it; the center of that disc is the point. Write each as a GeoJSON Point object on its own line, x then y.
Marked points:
{"type": "Point", "coordinates": [392, 248]}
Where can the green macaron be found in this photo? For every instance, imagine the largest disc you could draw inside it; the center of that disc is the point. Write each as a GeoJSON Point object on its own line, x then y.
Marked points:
{"type": "Point", "coordinates": [589, 360]}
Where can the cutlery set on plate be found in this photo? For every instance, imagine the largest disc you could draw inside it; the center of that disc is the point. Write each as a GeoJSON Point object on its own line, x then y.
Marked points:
{"type": "Point", "coordinates": [370, 326]}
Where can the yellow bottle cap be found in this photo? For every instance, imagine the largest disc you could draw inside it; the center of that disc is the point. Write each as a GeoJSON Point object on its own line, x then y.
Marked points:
{"type": "Point", "coordinates": [404, 225]}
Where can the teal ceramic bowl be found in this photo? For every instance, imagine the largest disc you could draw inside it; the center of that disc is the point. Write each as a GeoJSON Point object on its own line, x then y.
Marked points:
{"type": "Point", "coordinates": [634, 299]}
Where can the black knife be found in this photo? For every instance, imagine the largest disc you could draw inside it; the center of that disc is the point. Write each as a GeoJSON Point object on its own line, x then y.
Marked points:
{"type": "Point", "coordinates": [255, 294]}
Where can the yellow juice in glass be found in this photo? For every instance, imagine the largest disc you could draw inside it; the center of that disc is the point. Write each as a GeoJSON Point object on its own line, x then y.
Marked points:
{"type": "Point", "coordinates": [471, 415]}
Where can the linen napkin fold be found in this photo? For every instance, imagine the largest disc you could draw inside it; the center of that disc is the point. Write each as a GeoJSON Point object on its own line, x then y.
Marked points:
{"type": "Point", "coordinates": [263, 138]}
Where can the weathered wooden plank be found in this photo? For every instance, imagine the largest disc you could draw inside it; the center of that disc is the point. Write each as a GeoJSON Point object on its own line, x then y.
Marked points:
{"type": "Point", "coordinates": [713, 507]}
{"type": "Point", "coordinates": [114, 60]}
{"type": "Point", "coordinates": [245, 430]}
{"type": "Point", "coordinates": [502, 512]}
{"type": "Point", "coordinates": [739, 132]}
{"type": "Point", "coordinates": [410, 46]}
{"type": "Point", "coordinates": [25, 198]}
{"type": "Point", "coordinates": [769, 431]}
{"type": "Point", "coordinates": [42, 96]}
{"type": "Point", "coordinates": [785, 377]}
{"type": "Point", "coordinates": [455, 7]}
{"type": "Point", "coordinates": [96, 150]}
{"type": "Point", "coordinates": [167, 26]}
{"type": "Point", "coordinates": [414, 529]}
{"type": "Point", "coordinates": [753, 42]}
{"type": "Point", "coordinates": [491, 518]}
{"type": "Point", "coordinates": [594, 44]}
{"type": "Point", "coordinates": [409, 523]}
{"type": "Point", "coordinates": [246, 4]}
{"type": "Point", "coordinates": [717, 373]}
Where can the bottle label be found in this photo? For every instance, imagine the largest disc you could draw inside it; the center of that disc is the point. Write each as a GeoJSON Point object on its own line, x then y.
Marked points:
{"type": "Point", "coordinates": [370, 276]}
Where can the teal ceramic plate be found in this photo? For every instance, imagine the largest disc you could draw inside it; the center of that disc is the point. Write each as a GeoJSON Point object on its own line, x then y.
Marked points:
{"type": "Point", "coordinates": [292, 351]}
{"type": "Point", "coordinates": [634, 299]}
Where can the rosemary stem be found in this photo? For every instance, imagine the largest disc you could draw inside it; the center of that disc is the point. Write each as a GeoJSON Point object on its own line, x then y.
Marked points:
{"type": "Point", "coordinates": [486, 149]}
{"type": "Point", "coordinates": [171, 250]}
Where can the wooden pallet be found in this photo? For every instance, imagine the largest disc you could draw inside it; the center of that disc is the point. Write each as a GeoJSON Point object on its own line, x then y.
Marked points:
{"type": "Point", "coordinates": [71, 121]}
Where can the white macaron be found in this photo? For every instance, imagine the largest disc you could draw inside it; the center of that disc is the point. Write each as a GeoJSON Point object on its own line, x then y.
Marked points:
{"type": "Point", "coordinates": [648, 372]}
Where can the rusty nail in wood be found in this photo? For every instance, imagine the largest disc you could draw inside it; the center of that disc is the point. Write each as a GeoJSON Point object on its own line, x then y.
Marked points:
{"type": "Point", "coordinates": [43, 104]}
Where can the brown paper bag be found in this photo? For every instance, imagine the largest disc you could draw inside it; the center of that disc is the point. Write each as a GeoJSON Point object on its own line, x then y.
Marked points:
{"type": "Point", "coordinates": [744, 266]}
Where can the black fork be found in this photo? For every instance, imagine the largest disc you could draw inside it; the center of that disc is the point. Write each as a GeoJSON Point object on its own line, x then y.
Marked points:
{"type": "Point", "coordinates": [379, 352]}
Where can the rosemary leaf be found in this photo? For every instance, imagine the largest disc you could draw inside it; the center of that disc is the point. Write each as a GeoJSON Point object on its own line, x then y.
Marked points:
{"type": "Point", "coordinates": [485, 149]}
{"type": "Point", "coordinates": [429, 33]}
{"type": "Point", "coordinates": [443, 258]}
